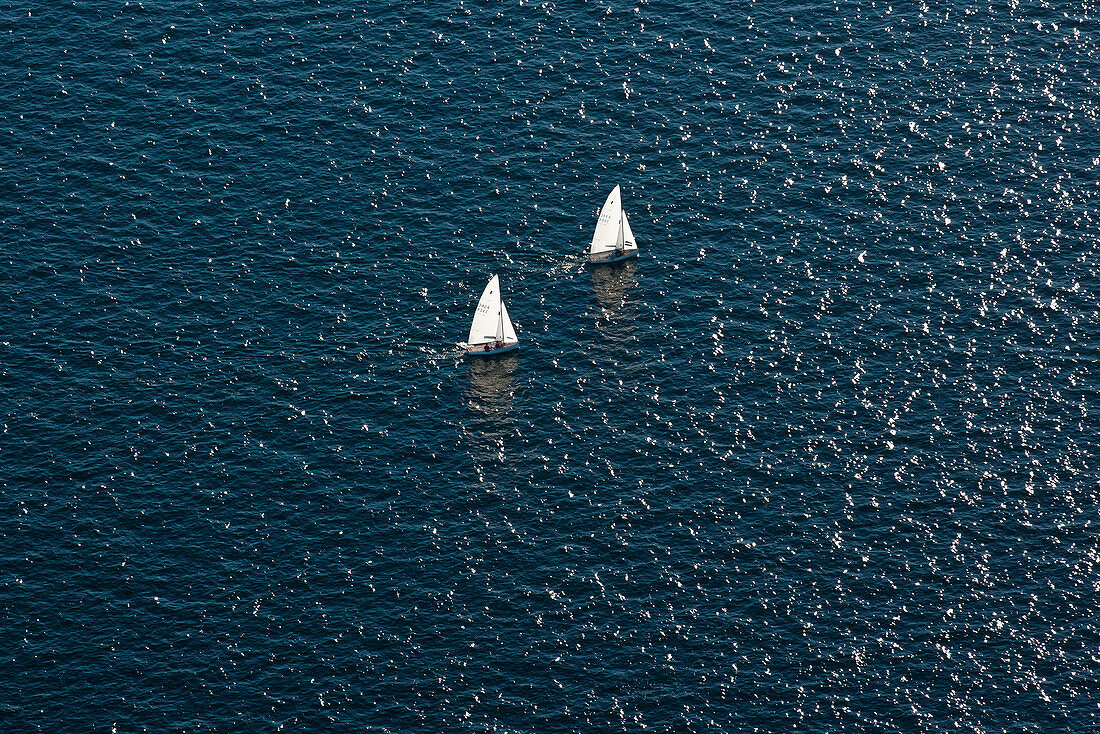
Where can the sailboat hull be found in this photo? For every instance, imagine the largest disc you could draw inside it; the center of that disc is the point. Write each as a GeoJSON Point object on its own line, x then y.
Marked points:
{"type": "Point", "coordinates": [611, 257]}
{"type": "Point", "coordinates": [480, 351]}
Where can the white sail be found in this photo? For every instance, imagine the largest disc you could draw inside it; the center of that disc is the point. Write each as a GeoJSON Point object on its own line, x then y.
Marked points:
{"type": "Point", "coordinates": [486, 326]}
{"type": "Point", "coordinates": [506, 324]}
{"type": "Point", "coordinates": [609, 227]}
{"type": "Point", "coordinates": [491, 321]}
{"type": "Point", "coordinates": [629, 243]}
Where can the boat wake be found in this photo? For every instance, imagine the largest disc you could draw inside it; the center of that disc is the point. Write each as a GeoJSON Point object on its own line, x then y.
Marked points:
{"type": "Point", "coordinates": [571, 264]}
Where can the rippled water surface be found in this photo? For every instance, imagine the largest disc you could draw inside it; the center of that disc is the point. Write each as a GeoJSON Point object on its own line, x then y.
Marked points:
{"type": "Point", "coordinates": [823, 458]}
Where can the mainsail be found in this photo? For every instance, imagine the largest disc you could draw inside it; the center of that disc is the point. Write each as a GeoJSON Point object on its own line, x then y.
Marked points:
{"type": "Point", "coordinates": [609, 227]}
{"type": "Point", "coordinates": [486, 326]}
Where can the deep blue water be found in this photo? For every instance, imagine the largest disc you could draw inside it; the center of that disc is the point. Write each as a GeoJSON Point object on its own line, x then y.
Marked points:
{"type": "Point", "coordinates": [824, 458]}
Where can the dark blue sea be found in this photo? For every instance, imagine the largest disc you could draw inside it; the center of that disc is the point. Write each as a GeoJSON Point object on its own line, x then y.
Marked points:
{"type": "Point", "coordinates": [824, 458]}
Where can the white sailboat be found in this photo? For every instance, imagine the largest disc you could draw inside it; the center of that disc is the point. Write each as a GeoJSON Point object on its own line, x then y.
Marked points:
{"type": "Point", "coordinates": [491, 331]}
{"type": "Point", "coordinates": [612, 241]}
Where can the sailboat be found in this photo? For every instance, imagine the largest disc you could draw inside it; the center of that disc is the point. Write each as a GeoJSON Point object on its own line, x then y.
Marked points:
{"type": "Point", "coordinates": [491, 331]}
{"type": "Point", "coordinates": [612, 241]}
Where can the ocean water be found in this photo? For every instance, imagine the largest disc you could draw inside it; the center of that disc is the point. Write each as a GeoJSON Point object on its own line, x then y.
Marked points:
{"type": "Point", "coordinates": [824, 458]}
